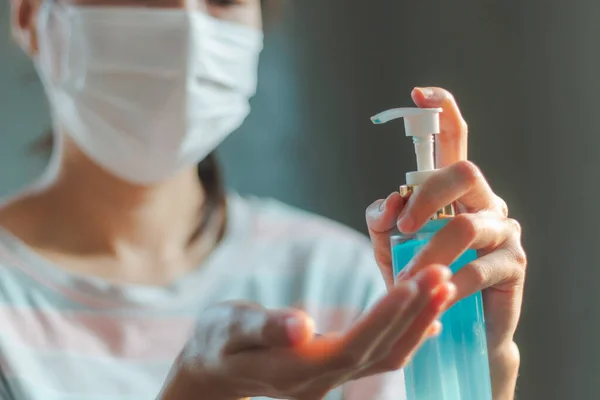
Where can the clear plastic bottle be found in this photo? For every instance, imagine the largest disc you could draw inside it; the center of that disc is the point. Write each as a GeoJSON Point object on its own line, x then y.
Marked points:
{"type": "Point", "coordinates": [454, 365]}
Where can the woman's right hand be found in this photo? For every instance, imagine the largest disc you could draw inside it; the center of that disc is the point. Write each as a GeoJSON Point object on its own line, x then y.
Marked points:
{"type": "Point", "coordinates": [244, 350]}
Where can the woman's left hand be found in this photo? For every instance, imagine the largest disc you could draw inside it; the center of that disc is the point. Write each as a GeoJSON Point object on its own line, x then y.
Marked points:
{"type": "Point", "coordinates": [482, 224]}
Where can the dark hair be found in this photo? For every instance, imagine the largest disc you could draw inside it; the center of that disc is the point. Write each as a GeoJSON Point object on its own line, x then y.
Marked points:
{"type": "Point", "coordinates": [209, 174]}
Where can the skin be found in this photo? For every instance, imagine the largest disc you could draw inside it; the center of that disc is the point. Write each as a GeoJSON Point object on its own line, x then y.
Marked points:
{"type": "Point", "coordinates": [141, 235]}
{"type": "Point", "coordinates": [243, 350]}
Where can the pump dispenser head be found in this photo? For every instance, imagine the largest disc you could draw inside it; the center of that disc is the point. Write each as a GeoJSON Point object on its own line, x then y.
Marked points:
{"type": "Point", "coordinates": [421, 124]}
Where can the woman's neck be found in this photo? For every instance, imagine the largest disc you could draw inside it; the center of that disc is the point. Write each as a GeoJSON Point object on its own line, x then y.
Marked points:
{"type": "Point", "coordinates": [88, 213]}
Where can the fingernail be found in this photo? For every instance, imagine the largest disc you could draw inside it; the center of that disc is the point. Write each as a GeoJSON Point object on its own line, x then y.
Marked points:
{"type": "Point", "coordinates": [385, 202]}
{"type": "Point", "coordinates": [382, 205]}
{"type": "Point", "coordinates": [295, 329]}
{"type": "Point", "coordinates": [447, 302]}
{"type": "Point", "coordinates": [434, 329]}
{"type": "Point", "coordinates": [428, 93]}
{"type": "Point", "coordinates": [446, 273]}
{"type": "Point", "coordinates": [452, 289]}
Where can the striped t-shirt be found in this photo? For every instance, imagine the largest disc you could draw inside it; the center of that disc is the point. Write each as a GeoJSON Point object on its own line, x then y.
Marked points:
{"type": "Point", "coordinates": [71, 337]}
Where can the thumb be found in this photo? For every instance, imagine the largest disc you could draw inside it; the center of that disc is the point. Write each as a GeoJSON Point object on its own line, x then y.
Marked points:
{"type": "Point", "coordinates": [452, 142]}
{"type": "Point", "coordinates": [251, 326]}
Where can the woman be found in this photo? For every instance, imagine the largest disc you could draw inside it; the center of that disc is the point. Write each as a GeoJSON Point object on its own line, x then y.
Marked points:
{"type": "Point", "coordinates": [128, 274]}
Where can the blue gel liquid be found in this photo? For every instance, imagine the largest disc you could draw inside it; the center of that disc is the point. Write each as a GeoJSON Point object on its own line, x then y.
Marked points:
{"type": "Point", "coordinates": [453, 366]}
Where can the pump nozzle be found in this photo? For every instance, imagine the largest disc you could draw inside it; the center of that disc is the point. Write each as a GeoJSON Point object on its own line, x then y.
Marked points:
{"type": "Point", "coordinates": [417, 121]}
{"type": "Point", "coordinates": [421, 124]}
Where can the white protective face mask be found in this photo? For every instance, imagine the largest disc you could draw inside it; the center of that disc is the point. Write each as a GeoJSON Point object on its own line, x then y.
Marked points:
{"type": "Point", "coordinates": [146, 92]}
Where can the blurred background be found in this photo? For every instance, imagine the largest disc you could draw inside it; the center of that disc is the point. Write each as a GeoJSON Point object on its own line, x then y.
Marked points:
{"type": "Point", "coordinates": [525, 74]}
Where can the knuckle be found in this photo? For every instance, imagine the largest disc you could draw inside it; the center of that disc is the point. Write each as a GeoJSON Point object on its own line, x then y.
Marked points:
{"type": "Point", "coordinates": [513, 355]}
{"type": "Point", "coordinates": [447, 95]}
{"type": "Point", "coordinates": [519, 256]}
{"type": "Point", "coordinates": [480, 273]}
{"type": "Point", "coordinates": [515, 227]}
{"type": "Point", "coordinates": [383, 258]}
{"type": "Point", "coordinates": [502, 206]}
{"type": "Point", "coordinates": [508, 355]}
{"type": "Point", "coordinates": [467, 172]}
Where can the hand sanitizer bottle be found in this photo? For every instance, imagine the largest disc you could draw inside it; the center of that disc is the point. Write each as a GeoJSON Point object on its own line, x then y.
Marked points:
{"type": "Point", "coordinates": [454, 365]}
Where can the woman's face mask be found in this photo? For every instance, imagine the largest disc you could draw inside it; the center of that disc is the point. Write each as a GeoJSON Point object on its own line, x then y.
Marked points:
{"type": "Point", "coordinates": [146, 91]}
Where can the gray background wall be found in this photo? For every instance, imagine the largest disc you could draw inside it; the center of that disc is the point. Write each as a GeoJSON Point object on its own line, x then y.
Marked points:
{"type": "Point", "coordinates": [525, 74]}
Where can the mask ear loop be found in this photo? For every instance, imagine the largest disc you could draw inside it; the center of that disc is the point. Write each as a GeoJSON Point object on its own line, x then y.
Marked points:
{"type": "Point", "coordinates": [60, 17]}
{"type": "Point", "coordinates": [49, 16]}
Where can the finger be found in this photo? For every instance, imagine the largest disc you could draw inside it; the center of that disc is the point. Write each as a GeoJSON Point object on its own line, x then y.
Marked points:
{"type": "Point", "coordinates": [438, 278]}
{"type": "Point", "coordinates": [462, 182]}
{"type": "Point", "coordinates": [249, 325]}
{"type": "Point", "coordinates": [451, 143]}
{"type": "Point", "coordinates": [406, 344]}
{"type": "Point", "coordinates": [417, 332]}
{"type": "Point", "coordinates": [502, 273]}
{"type": "Point", "coordinates": [328, 353]}
{"type": "Point", "coordinates": [387, 321]}
{"type": "Point", "coordinates": [503, 311]}
{"type": "Point", "coordinates": [381, 219]}
{"type": "Point", "coordinates": [482, 231]}
{"type": "Point", "coordinates": [381, 215]}
{"type": "Point", "coordinates": [369, 330]}
{"type": "Point", "coordinates": [278, 372]}
{"type": "Point", "coordinates": [500, 269]}
{"type": "Point", "coordinates": [323, 355]}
